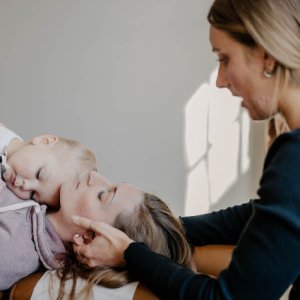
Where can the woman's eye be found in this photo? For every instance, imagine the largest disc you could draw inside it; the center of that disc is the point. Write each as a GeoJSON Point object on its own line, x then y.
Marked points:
{"type": "Point", "coordinates": [222, 60]}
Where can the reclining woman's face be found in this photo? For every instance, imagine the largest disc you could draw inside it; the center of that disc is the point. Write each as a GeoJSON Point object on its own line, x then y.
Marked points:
{"type": "Point", "coordinates": [96, 198]}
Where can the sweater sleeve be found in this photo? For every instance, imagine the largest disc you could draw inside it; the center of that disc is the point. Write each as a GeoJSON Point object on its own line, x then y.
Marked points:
{"type": "Point", "coordinates": [17, 251]}
{"type": "Point", "coordinates": [266, 259]}
{"type": "Point", "coordinates": [221, 227]}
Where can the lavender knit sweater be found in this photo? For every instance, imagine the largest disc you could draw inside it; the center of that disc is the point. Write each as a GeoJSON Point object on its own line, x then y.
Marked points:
{"type": "Point", "coordinates": [28, 241]}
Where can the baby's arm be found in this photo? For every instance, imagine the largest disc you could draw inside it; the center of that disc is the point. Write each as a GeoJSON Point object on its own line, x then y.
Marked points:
{"type": "Point", "coordinates": [6, 137]}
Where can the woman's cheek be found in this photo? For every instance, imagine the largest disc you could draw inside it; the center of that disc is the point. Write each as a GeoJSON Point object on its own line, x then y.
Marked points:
{"type": "Point", "coordinates": [86, 210]}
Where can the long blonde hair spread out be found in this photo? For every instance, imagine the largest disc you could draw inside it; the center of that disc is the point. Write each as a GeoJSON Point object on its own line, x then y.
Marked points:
{"type": "Point", "coordinates": [152, 223]}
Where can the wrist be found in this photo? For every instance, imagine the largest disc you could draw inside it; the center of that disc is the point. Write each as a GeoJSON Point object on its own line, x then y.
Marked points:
{"type": "Point", "coordinates": [132, 249]}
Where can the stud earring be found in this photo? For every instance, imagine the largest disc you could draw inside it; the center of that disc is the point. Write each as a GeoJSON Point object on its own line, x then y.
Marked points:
{"type": "Point", "coordinates": [268, 74]}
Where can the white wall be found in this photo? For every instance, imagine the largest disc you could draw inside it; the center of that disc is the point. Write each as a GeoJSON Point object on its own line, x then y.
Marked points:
{"type": "Point", "coordinates": [121, 76]}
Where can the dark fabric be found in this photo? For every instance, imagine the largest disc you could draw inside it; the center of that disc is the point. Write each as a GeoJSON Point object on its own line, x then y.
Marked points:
{"type": "Point", "coordinates": [295, 290]}
{"type": "Point", "coordinates": [267, 231]}
{"type": "Point", "coordinates": [222, 227]}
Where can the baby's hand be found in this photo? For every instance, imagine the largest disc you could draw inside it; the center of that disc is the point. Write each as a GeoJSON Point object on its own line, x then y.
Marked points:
{"type": "Point", "coordinates": [3, 161]}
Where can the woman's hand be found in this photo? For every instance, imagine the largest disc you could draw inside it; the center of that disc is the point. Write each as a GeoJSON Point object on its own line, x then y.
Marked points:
{"type": "Point", "coordinates": [106, 249]}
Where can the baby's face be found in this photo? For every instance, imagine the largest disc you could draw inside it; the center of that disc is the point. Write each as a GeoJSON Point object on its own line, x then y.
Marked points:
{"type": "Point", "coordinates": [37, 172]}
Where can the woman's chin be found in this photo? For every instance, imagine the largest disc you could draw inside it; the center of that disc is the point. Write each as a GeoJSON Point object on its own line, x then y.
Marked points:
{"type": "Point", "coordinates": [259, 117]}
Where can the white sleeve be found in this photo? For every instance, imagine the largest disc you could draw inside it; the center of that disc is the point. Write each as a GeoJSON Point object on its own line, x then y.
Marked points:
{"type": "Point", "coordinates": [6, 136]}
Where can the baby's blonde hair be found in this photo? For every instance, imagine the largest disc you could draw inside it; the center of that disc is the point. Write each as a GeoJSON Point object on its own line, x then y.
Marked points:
{"type": "Point", "coordinates": [81, 158]}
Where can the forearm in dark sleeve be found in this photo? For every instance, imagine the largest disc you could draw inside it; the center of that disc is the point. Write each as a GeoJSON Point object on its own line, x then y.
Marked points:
{"type": "Point", "coordinates": [221, 227]}
{"type": "Point", "coordinates": [262, 267]}
{"type": "Point", "coordinates": [167, 279]}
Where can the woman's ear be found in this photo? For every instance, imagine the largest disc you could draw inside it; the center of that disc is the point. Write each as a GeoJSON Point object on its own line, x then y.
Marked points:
{"type": "Point", "coordinates": [86, 238]}
{"type": "Point", "coordinates": [78, 239]}
{"type": "Point", "coordinates": [269, 63]}
{"type": "Point", "coordinates": [45, 139]}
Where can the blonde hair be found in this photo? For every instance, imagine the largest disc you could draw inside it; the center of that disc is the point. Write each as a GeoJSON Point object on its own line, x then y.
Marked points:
{"type": "Point", "coordinates": [273, 25]}
{"type": "Point", "coordinates": [81, 158]}
{"type": "Point", "coordinates": [152, 223]}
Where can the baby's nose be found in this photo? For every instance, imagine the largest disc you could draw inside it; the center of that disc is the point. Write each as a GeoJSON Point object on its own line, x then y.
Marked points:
{"type": "Point", "coordinates": [23, 183]}
{"type": "Point", "coordinates": [19, 181]}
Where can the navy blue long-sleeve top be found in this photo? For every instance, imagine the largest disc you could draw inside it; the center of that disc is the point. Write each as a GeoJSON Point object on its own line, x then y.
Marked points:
{"type": "Point", "coordinates": [266, 231]}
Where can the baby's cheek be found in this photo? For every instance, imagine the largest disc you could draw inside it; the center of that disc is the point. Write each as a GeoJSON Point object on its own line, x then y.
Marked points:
{"type": "Point", "coordinates": [21, 194]}
{"type": "Point", "coordinates": [7, 174]}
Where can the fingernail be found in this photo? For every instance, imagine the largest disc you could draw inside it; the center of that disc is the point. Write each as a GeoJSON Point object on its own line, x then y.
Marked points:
{"type": "Point", "coordinates": [76, 235]}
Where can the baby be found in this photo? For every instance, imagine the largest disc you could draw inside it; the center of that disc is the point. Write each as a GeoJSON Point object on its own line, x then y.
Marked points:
{"type": "Point", "coordinates": [37, 168]}
{"type": "Point", "coordinates": [34, 169]}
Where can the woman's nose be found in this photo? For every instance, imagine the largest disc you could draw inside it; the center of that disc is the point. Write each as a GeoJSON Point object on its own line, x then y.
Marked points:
{"type": "Point", "coordinates": [221, 81]}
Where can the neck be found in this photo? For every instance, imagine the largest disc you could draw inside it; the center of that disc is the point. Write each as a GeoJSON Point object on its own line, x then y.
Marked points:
{"type": "Point", "coordinates": [289, 106]}
{"type": "Point", "coordinates": [64, 229]}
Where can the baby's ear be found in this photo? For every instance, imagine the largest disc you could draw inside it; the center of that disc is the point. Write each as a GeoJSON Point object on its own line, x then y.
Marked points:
{"type": "Point", "coordinates": [45, 139]}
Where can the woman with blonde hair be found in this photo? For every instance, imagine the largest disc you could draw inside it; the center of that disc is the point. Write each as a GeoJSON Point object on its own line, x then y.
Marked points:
{"type": "Point", "coordinates": [149, 222]}
{"type": "Point", "coordinates": [257, 43]}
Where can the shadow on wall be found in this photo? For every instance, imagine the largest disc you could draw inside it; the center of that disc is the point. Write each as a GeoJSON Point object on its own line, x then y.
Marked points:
{"type": "Point", "coordinates": [223, 167]}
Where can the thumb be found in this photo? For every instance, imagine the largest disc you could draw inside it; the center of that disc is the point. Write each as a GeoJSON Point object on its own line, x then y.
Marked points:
{"type": "Point", "coordinates": [98, 227]}
{"type": "Point", "coordinates": [82, 222]}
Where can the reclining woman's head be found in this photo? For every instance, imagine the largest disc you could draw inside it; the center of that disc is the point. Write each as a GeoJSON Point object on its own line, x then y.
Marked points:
{"type": "Point", "coordinates": [143, 217]}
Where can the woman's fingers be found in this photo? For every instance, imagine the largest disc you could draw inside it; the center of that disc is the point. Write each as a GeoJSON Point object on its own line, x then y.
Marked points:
{"type": "Point", "coordinates": [98, 227]}
{"type": "Point", "coordinates": [82, 222]}
{"type": "Point", "coordinates": [106, 248]}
